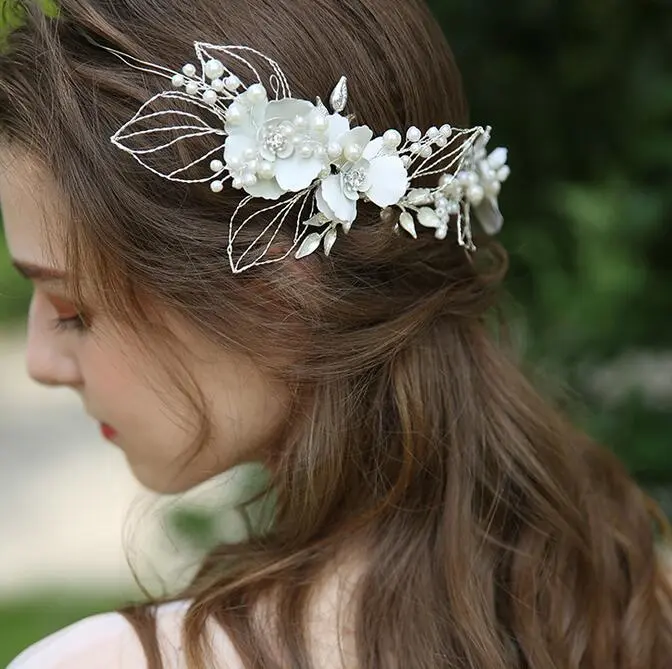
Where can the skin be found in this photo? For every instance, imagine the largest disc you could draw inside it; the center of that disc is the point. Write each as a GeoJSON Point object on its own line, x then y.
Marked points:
{"type": "Point", "coordinates": [117, 382]}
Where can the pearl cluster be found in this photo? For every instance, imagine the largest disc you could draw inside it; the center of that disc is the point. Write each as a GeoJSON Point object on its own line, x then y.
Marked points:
{"type": "Point", "coordinates": [480, 177]}
{"type": "Point", "coordinates": [418, 145]}
{"type": "Point", "coordinates": [214, 70]}
{"type": "Point", "coordinates": [278, 139]}
{"type": "Point", "coordinates": [484, 179]}
{"type": "Point", "coordinates": [305, 136]}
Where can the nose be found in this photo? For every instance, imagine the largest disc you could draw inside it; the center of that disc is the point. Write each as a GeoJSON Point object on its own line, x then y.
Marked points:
{"type": "Point", "coordinates": [49, 358]}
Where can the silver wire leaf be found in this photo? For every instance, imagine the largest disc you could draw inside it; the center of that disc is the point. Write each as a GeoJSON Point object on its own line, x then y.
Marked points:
{"type": "Point", "coordinates": [448, 159]}
{"type": "Point", "coordinates": [141, 65]}
{"type": "Point", "coordinates": [249, 65]}
{"type": "Point", "coordinates": [173, 143]}
{"type": "Point", "coordinates": [254, 228]}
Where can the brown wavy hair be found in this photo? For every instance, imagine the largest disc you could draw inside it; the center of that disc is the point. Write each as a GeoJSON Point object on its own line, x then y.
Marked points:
{"type": "Point", "coordinates": [494, 534]}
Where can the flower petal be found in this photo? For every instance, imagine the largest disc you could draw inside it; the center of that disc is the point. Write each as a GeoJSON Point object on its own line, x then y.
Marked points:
{"type": "Point", "coordinates": [295, 173]}
{"type": "Point", "coordinates": [489, 216]}
{"type": "Point", "coordinates": [332, 194]}
{"type": "Point", "coordinates": [323, 207]}
{"type": "Point", "coordinates": [258, 113]}
{"type": "Point", "coordinates": [389, 181]}
{"type": "Point", "coordinates": [288, 109]}
{"type": "Point", "coordinates": [236, 145]}
{"type": "Point", "coordinates": [265, 188]}
{"type": "Point", "coordinates": [376, 148]}
{"type": "Point", "coordinates": [245, 125]}
{"type": "Point", "coordinates": [338, 126]}
{"type": "Point", "coordinates": [498, 158]}
{"type": "Point", "coordinates": [361, 135]}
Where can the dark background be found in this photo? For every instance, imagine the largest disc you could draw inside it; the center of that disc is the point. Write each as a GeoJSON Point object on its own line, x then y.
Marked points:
{"type": "Point", "coordinates": [581, 93]}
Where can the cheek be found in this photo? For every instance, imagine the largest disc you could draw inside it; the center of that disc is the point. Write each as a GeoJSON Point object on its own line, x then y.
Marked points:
{"type": "Point", "coordinates": [114, 388]}
{"type": "Point", "coordinates": [104, 375]}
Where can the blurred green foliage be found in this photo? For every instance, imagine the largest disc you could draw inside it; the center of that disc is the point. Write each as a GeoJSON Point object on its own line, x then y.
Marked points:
{"type": "Point", "coordinates": [24, 621]}
{"type": "Point", "coordinates": [580, 93]}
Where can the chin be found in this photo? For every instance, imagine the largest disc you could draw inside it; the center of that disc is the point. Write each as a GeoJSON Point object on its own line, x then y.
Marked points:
{"type": "Point", "coordinates": [164, 483]}
{"type": "Point", "coordinates": [155, 482]}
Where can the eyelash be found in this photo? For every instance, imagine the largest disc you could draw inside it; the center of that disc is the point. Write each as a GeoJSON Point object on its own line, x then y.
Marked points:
{"type": "Point", "coordinates": [76, 324]}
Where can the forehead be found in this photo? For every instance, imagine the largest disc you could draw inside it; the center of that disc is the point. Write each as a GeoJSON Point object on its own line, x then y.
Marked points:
{"type": "Point", "coordinates": [30, 206]}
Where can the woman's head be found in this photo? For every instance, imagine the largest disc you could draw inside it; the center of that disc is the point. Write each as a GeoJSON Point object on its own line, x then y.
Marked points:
{"type": "Point", "coordinates": [369, 381]}
{"type": "Point", "coordinates": [147, 258]}
{"type": "Point", "coordinates": [120, 382]}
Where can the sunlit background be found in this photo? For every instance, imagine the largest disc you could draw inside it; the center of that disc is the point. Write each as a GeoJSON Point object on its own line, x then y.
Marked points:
{"type": "Point", "coordinates": [580, 94]}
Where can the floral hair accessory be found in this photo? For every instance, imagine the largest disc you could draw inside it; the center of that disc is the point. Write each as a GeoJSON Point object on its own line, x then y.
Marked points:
{"type": "Point", "coordinates": [308, 164]}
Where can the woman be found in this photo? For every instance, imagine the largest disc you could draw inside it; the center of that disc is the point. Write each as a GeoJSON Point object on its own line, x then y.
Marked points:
{"type": "Point", "coordinates": [260, 266]}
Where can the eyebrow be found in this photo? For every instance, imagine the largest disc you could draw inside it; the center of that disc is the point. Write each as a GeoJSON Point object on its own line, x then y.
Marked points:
{"type": "Point", "coordinates": [37, 273]}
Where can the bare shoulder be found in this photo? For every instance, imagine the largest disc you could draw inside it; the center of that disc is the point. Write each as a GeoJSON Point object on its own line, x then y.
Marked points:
{"type": "Point", "coordinates": [108, 641]}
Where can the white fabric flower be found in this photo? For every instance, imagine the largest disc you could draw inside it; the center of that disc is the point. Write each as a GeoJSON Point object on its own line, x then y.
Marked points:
{"type": "Point", "coordinates": [282, 143]}
{"type": "Point", "coordinates": [338, 126]}
{"type": "Point", "coordinates": [492, 172]}
{"type": "Point", "coordinates": [379, 174]}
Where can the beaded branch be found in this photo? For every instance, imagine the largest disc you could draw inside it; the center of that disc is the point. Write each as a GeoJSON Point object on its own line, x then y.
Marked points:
{"type": "Point", "coordinates": [307, 163]}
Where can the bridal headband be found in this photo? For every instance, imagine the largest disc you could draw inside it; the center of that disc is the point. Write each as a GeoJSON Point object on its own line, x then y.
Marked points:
{"type": "Point", "coordinates": [298, 163]}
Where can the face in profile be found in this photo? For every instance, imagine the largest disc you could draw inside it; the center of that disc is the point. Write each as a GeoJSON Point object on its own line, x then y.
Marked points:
{"type": "Point", "coordinates": [120, 384]}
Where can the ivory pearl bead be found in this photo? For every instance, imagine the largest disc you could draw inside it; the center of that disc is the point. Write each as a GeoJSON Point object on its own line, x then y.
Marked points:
{"type": "Point", "coordinates": [319, 123]}
{"type": "Point", "coordinates": [352, 152]}
{"type": "Point", "coordinates": [266, 170]}
{"type": "Point", "coordinates": [234, 114]}
{"type": "Point", "coordinates": [392, 138]}
{"type": "Point", "coordinates": [305, 150]}
{"type": "Point", "coordinates": [256, 93]}
{"type": "Point", "coordinates": [232, 83]}
{"type": "Point", "coordinates": [210, 96]}
{"type": "Point", "coordinates": [214, 69]}
{"type": "Point", "coordinates": [334, 150]}
{"type": "Point", "coordinates": [413, 134]}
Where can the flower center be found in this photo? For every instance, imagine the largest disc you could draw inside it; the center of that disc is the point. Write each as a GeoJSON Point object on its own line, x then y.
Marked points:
{"type": "Point", "coordinates": [355, 178]}
{"type": "Point", "coordinates": [276, 142]}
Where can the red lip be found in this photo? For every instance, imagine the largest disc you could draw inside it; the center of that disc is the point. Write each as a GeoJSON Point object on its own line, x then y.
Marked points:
{"type": "Point", "coordinates": [107, 431]}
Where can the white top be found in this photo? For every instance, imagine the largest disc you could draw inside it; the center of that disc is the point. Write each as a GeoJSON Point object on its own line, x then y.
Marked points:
{"type": "Point", "coordinates": [107, 641]}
